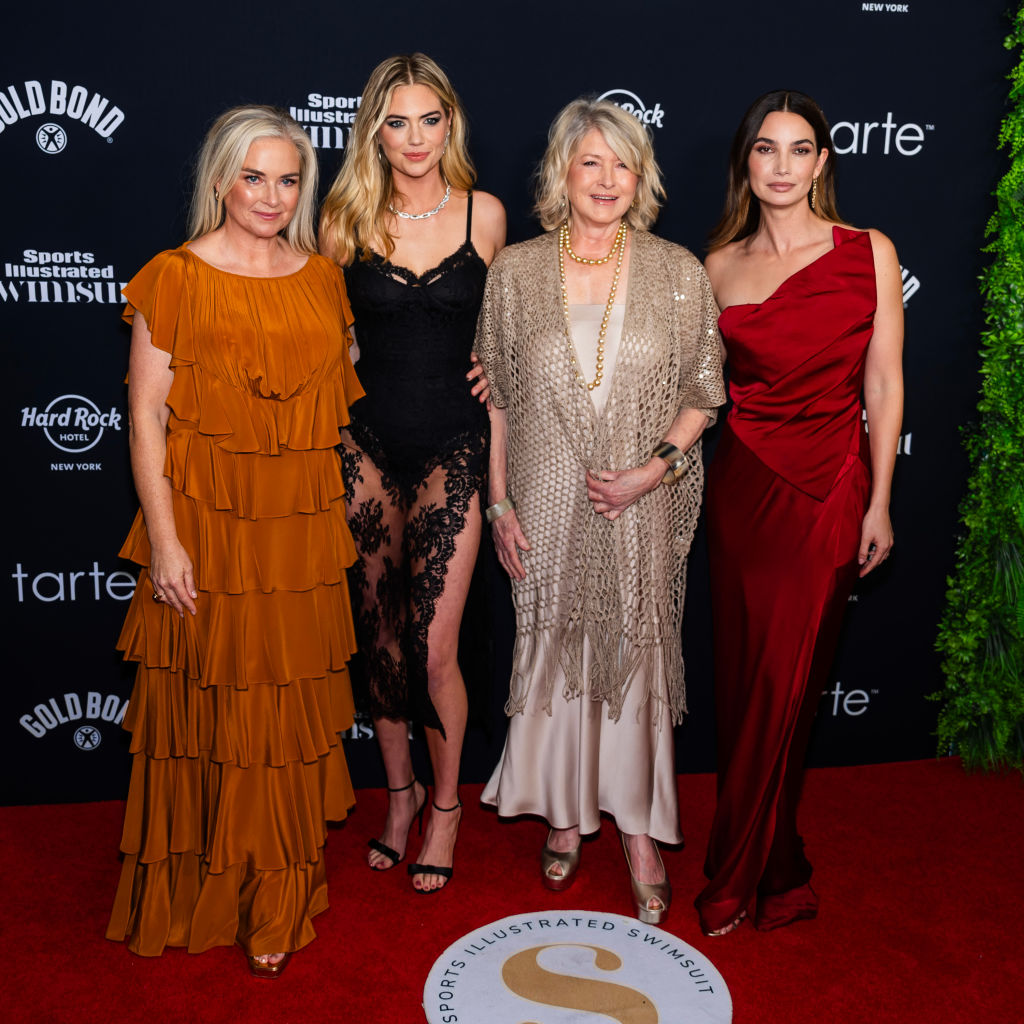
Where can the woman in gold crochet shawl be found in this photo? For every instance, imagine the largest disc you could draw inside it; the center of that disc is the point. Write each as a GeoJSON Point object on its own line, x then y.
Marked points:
{"type": "Point", "coordinates": [601, 347]}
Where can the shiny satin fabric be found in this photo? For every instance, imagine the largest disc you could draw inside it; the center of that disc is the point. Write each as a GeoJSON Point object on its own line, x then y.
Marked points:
{"type": "Point", "coordinates": [237, 711]}
{"type": "Point", "coordinates": [787, 492]}
{"type": "Point", "coordinates": [571, 764]}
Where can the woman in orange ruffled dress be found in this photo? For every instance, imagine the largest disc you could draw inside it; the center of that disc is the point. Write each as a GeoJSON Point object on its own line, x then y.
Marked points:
{"type": "Point", "coordinates": [239, 381]}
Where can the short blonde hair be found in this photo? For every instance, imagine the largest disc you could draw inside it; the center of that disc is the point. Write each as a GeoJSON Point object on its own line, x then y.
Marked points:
{"type": "Point", "coordinates": [356, 206]}
{"type": "Point", "coordinates": [222, 156]}
{"type": "Point", "coordinates": [624, 134]}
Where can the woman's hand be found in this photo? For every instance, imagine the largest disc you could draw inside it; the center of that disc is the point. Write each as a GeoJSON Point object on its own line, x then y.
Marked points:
{"type": "Point", "coordinates": [170, 571]}
{"type": "Point", "coordinates": [509, 540]}
{"type": "Point", "coordinates": [482, 387]}
{"type": "Point", "coordinates": [611, 492]}
{"type": "Point", "coordinates": [876, 540]}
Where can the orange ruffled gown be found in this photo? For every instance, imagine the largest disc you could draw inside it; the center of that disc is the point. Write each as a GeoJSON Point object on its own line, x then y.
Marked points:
{"type": "Point", "coordinates": [236, 711]}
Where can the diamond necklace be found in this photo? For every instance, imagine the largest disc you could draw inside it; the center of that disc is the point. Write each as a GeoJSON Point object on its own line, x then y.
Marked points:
{"type": "Point", "coordinates": [429, 213]}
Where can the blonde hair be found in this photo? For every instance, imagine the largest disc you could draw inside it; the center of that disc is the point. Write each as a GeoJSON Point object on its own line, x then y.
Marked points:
{"type": "Point", "coordinates": [626, 136]}
{"type": "Point", "coordinates": [354, 211]}
{"type": "Point", "coordinates": [222, 157]}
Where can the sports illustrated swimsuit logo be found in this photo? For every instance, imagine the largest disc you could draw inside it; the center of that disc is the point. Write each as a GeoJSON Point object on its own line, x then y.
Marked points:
{"type": "Point", "coordinates": [582, 963]}
{"type": "Point", "coordinates": [890, 139]}
{"type": "Point", "coordinates": [49, 715]}
{"type": "Point", "coordinates": [327, 120]}
{"type": "Point", "coordinates": [71, 277]}
{"type": "Point", "coordinates": [32, 99]}
{"type": "Point", "coordinates": [632, 104]}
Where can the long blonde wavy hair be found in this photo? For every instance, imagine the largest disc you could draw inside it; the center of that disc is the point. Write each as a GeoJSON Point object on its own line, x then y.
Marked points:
{"type": "Point", "coordinates": [354, 212]}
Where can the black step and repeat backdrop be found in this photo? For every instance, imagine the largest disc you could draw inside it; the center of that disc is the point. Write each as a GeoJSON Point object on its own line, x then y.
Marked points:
{"type": "Point", "coordinates": [102, 108]}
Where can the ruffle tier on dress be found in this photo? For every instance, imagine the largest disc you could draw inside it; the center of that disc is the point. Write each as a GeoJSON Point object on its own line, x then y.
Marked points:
{"type": "Point", "coordinates": [237, 712]}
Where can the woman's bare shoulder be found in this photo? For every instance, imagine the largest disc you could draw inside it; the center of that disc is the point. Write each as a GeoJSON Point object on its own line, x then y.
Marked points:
{"type": "Point", "coordinates": [721, 262]}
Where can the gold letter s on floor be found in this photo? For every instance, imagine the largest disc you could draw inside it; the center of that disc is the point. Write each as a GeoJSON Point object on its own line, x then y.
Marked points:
{"type": "Point", "coordinates": [524, 976]}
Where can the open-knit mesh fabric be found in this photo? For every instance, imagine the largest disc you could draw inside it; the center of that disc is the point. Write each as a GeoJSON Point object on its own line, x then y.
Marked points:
{"type": "Point", "coordinates": [619, 583]}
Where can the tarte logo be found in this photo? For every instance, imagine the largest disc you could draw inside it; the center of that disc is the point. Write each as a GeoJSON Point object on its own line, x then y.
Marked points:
{"type": "Point", "coordinates": [73, 585]}
{"type": "Point", "coordinates": [862, 137]}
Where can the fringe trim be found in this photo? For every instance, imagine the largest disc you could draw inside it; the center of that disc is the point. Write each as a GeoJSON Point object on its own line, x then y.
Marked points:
{"type": "Point", "coordinates": [618, 662]}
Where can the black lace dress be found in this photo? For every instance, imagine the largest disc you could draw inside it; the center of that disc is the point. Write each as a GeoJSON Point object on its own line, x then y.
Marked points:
{"type": "Point", "coordinates": [413, 456]}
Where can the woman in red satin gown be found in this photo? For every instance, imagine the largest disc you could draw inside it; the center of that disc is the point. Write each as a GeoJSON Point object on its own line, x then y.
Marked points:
{"type": "Point", "coordinates": [798, 492]}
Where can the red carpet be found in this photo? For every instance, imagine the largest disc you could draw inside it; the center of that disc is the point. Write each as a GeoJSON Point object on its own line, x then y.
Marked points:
{"type": "Point", "coordinates": [920, 870]}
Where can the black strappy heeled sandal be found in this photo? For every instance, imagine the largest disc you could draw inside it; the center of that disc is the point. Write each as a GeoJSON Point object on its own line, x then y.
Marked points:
{"type": "Point", "coordinates": [433, 869]}
{"type": "Point", "coordinates": [382, 848]}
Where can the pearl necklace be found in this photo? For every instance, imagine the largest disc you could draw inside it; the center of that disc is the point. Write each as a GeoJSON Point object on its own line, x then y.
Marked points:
{"type": "Point", "coordinates": [619, 247]}
{"type": "Point", "coordinates": [429, 213]}
{"type": "Point", "coordinates": [619, 235]}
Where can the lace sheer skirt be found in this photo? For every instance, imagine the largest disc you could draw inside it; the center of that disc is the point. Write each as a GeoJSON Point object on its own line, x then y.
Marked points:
{"type": "Point", "coordinates": [405, 513]}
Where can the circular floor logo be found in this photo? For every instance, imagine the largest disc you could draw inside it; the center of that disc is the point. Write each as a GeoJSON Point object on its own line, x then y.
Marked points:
{"type": "Point", "coordinates": [574, 967]}
{"type": "Point", "coordinates": [51, 138]}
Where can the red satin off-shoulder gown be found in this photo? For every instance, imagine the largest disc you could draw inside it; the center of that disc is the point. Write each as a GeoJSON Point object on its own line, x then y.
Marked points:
{"type": "Point", "coordinates": [786, 495]}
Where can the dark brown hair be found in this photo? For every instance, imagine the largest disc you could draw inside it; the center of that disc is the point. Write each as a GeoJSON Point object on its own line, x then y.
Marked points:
{"type": "Point", "coordinates": [742, 212]}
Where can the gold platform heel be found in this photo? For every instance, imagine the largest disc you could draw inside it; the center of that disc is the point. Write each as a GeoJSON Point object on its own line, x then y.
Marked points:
{"type": "Point", "coordinates": [568, 862]}
{"type": "Point", "coordinates": [261, 969]}
{"type": "Point", "coordinates": [644, 892]}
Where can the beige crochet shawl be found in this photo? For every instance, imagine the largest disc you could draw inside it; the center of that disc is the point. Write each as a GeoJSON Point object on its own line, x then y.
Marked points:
{"type": "Point", "coordinates": [619, 583]}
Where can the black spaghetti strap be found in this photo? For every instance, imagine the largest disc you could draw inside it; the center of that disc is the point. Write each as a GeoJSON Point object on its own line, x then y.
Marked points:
{"type": "Point", "coordinates": [469, 215]}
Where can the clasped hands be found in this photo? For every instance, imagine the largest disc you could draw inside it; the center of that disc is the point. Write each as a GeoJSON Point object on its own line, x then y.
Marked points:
{"type": "Point", "coordinates": [610, 492]}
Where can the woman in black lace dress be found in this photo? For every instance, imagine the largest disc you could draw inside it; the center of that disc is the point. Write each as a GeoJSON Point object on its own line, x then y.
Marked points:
{"type": "Point", "coordinates": [415, 243]}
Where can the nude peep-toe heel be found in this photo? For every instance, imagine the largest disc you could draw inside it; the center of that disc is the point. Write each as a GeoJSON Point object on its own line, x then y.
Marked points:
{"type": "Point", "coordinates": [644, 892]}
{"type": "Point", "coordinates": [383, 848]}
{"type": "Point", "coordinates": [568, 861]}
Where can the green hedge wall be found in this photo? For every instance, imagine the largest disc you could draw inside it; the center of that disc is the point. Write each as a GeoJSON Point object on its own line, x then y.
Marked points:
{"type": "Point", "coordinates": [981, 637]}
